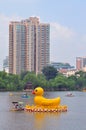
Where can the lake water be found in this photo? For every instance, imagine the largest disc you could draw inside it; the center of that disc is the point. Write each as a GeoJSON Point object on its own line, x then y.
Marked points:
{"type": "Point", "coordinates": [73, 119]}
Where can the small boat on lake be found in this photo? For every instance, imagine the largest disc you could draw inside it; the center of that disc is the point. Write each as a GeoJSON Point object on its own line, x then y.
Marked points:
{"type": "Point", "coordinates": [11, 94]}
{"type": "Point", "coordinates": [17, 106]}
{"type": "Point", "coordinates": [84, 90]}
{"type": "Point", "coordinates": [25, 95]}
{"type": "Point", "coordinates": [69, 94]}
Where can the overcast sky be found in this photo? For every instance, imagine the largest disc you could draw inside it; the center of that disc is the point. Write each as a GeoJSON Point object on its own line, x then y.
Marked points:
{"type": "Point", "coordinates": [67, 20]}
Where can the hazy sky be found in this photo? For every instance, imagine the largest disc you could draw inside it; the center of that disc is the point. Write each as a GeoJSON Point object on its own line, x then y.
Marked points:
{"type": "Point", "coordinates": [67, 20]}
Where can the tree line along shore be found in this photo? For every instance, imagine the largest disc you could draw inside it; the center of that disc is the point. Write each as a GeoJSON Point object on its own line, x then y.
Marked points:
{"type": "Point", "coordinates": [50, 80]}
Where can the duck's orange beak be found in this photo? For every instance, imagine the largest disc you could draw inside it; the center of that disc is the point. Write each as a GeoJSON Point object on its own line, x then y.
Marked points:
{"type": "Point", "coordinates": [33, 92]}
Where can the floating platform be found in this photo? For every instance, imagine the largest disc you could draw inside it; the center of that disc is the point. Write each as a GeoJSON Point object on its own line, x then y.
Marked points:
{"type": "Point", "coordinates": [46, 109]}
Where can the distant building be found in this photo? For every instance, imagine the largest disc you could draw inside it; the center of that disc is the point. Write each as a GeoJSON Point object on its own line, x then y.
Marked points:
{"type": "Point", "coordinates": [6, 64]}
{"type": "Point", "coordinates": [62, 66]}
{"type": "Point", "coordinates": [71, 72]}
{"type": "Point", "coordinates": [80, 63]}
{"type": "Point", "coordinates": [29, 45]}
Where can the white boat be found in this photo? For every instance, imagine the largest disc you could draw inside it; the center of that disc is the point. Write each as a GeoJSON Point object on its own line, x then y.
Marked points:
{"type": "Point", "coordinates": [69, 94]}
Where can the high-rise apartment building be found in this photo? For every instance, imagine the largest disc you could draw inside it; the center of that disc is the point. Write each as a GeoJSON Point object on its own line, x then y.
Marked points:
{"type": "Point", "coordinates": [80, 63]}
{"type": "Point", "coordinates": [29, 45]}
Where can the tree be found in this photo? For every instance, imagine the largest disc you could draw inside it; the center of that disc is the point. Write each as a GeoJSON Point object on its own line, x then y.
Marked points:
{"type": "Point", "coordinates": [60, 82]}
{"type": "Point", "coordinates": [41, 80]}
{"type": "Point", "coordinates": [22, 75]}
{"type": "Point", "coordinates": [31, 77]}
{"type": "Point", "coordinates": [50, 72]}
{"type": "Point", "coordinates": [2, 84]}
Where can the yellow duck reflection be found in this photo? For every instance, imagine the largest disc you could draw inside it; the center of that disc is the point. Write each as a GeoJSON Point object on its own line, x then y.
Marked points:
{"type": "Point", "coordinates": [40, 119]}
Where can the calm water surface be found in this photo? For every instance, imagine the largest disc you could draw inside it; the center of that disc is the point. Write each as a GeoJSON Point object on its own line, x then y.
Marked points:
{"type": "Point", "coordinates": [73, 119]}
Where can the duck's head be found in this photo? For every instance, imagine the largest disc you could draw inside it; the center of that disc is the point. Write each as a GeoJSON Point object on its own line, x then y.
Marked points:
{"type": "Point", "coordinates": [38, 91]}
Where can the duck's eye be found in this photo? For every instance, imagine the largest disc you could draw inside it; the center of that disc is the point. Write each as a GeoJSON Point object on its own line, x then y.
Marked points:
{"type": "Point", "coordinates": [36, 90]}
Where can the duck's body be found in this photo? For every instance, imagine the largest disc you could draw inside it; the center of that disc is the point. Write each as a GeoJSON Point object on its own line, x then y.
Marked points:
{"type": "Point", "coordinates": [41, 101]}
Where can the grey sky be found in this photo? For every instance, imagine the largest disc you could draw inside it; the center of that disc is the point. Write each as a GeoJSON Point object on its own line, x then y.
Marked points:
{"type": "Point", "coordinates": [67, 20]}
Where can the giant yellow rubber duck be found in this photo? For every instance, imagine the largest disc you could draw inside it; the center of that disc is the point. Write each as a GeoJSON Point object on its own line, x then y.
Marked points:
{"type": "Point", "coordinates": [43, 104]}
{"type": "Point", "coordinates": [39, 100]}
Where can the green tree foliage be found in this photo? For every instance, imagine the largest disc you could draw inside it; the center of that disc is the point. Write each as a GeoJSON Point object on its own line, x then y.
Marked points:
{"type": "Point", "coordinates": [50, 72]}
{"type": "Point", "coordinates": [22, 75]}
{"type": "Point", "coordinates": [9, 81]}
{"type": "Point", "coordinates": [50, 81]}
{"type": "Point", "coordinates": [31, 77]}
{"type": "Point", "coordinates": [41, 80]}
{"type": "Point", "coordinates": [61, 82]}
{"type": "Point", "coordinates": [2, 84]}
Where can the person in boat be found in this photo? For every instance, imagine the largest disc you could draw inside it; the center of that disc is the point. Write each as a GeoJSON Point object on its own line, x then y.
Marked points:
{"type": "Point", "coordinates": [25, 94]}
{"type": "Point", "coordinates": [18, 105]}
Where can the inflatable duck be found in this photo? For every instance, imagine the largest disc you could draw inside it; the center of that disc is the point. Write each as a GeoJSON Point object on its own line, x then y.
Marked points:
{"type": "Point", "coordinates": [42, 101]}
{"type": "Point", "coordinates": [43, 104]}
